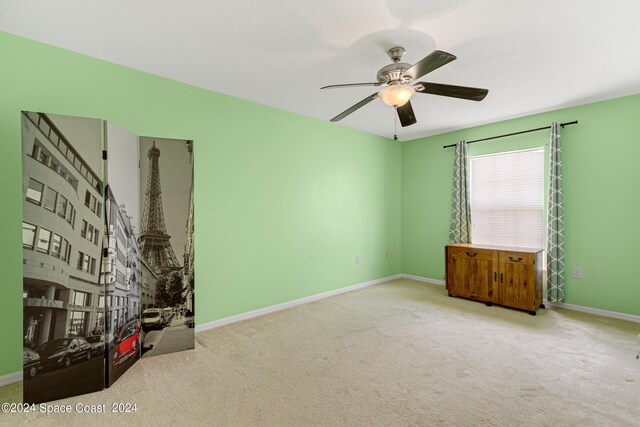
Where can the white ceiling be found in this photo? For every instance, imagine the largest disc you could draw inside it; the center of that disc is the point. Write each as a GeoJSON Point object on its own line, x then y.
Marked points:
{"type": "Point", "coordinates": [533, 56]}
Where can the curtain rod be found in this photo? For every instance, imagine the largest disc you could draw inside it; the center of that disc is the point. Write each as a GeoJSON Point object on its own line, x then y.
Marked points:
{"type": "Point", "coordinates": [575, 122]}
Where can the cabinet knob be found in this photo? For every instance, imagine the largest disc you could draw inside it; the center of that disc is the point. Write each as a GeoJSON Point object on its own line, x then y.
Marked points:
{"type": "Point", "coordinates": [469, 254]}
{"type": "Point", "coordinates": [515, 259]}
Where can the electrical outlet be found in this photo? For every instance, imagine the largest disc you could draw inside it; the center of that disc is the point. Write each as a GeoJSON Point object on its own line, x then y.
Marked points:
{"type": "Point", "coordinates": [576, 273]}
{"type": "Point", "coordinates": [358, 259]}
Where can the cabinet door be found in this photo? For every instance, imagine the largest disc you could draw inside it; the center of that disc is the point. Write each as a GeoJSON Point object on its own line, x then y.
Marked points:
{"type": "Point", "coordinates": [472, 273]}
{"type": "Point", "coordinates": [516, 287]}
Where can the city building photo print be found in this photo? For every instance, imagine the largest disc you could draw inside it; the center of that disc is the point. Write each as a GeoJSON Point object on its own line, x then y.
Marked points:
{"type": "Point", "coordinates": [62, 241]}
{"type": "Point", "coordinates": [166, 245]}
{"type": "Point", "coordinates": [121, 258]}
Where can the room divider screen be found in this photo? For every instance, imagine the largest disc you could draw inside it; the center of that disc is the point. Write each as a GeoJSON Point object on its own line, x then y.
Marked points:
{"type": "Point", "coordinates": [108, 259]}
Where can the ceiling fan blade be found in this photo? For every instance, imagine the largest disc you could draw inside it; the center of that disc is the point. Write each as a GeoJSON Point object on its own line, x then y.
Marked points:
{"type": "Point", "coordinates": [462, 92]}
{"type": "Point", "coordinates": [351, 85]}
{"type": "Point", "coordinates": [405, 114]}
{"type": "Point", "coordinates": [350, 110]}
{"type": "Point", "coordinates": [433, 61]}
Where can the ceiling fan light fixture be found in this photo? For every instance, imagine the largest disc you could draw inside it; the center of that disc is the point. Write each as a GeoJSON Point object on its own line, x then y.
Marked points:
{"type": "Point", "coordinates": [396, 95]}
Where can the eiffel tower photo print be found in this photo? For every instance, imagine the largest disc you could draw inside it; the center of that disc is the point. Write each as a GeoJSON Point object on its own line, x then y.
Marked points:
{"type": "Point", "coordinates": [166, 245]}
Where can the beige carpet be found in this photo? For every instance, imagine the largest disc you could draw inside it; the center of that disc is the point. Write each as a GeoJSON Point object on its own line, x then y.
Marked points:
{"type": "Point", "coordinates": [401, 353]}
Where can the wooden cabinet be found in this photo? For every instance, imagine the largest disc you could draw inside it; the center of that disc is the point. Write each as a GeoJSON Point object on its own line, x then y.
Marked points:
{"type": "Point", "coordinates": [494, 274]}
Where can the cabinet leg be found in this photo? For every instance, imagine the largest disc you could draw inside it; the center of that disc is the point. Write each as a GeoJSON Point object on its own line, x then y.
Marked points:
{"type": "Point", "coordinates": [542, 306]}
{"type": "Point", "coordinates": [532, 312]}
{"type": "Point", "coordinates": [488, 303]}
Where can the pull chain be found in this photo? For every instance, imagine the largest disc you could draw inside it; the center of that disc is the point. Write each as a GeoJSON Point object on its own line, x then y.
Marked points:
{"type": "Point", "coordinates": [395, 125]}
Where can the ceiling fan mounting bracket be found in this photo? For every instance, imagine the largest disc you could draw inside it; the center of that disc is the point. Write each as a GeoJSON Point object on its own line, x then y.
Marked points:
{"type": "Point", "coordinates": [396, 53]}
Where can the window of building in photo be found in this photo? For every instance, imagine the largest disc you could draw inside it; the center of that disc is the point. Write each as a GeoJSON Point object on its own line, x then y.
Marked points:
{"type": "Point", "coordinates": [56, 243]}
{"type": "Point", "coordinates": [84, 262]}
{"type": "Point", "coordinates": [507, 199]}
{"type": "Point", "coordinates": [28, 235]}
{"type": "Point", "coordinates": [76, 323]}
{"type": "Point", "coordinates": [71, 216]}
{"type": "Point", "coordinates": [34, 191]}
{"type": "Point", "coordinates": [50, 199]}
{"type": "Point", "coordinates": [43, 158]}
{"type": "Point", "coordinates": [62, 206]}
{"type": "Point", "coordinates": [80, 298]}
{"type": "Point", "coordinates": [44, 238]}
{"type": "Point", "coordinates": [65, 251]}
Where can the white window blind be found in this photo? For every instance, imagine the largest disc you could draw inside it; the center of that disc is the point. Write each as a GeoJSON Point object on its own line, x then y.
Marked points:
{"type": "Point", "coordinates": [507, 199]}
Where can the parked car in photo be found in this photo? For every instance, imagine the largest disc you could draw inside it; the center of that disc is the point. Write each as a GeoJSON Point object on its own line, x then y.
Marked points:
{"type": "Point", "coordinates": [62, 352]}
{"type": "Point", "coordinates": [97, 343]}
{"type": "Point", "coordinates": [127, 345]}
{"type": "Point", "coordinates": [152, 319]}
{"type": "Point", "coordinates": [30, 363]}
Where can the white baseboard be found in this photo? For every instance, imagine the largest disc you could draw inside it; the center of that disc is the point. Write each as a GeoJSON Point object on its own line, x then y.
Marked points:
{"type": "Point", "coordinates": [272, 309]}
{"type": "Point", "coordinates": [423, 279]}
{"type": "Point", "coordinates": [575, 307]}
{"type": "Point", "coordinates": [10, 378]}
{"type": "Point", "coordinates": [597, 311]}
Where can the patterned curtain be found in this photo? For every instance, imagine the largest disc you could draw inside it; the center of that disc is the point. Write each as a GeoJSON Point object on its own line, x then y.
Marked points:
{"type": "Point", "coordinates": [555, 222]}
{"type": "Point", "coordinates": [459, 230]}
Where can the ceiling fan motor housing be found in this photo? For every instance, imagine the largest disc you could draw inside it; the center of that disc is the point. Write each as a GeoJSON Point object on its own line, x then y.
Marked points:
{"type": "Point", "coordinates": [394, 73]}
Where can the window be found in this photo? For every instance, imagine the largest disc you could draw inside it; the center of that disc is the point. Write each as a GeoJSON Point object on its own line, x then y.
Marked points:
{"type": "Point", "coordinates": [83, 229]}
{"type": "Point", "coordinates": [86, 263]}
{"type": "Point", "coordinates": [63, 250]}
{"type": "Point", "coordinates": [80, 298]}
{"type": "Point", "coordinates": [50, 199]}
{"type": "Point", "coordinates": [62, 206]}
{"type": "Point", "coordinates": [101, 301]}
{"type": "Point", "coordinates": [507, 199]}
{"type": "Point", "coordinates": [76, 323]}
{"type": "Point", "coordinates": [87, 198]}
{"type": "Point", "coordinates": [43, 240]}
{"type": "Point", "coordinates": [28, 235]}
{"type": "Point", "coordinates": [43, 158]}
{"type": "Point", "coordinates": [36, 150]}
{"type": "Point", "coordinates": [71, 215]}
{"type": "Point", "coordinates": [34, 191]}
{"type": "Point", "coordinates": [99, 210]}
{"type": "Point", "coordinates": [68, 253]}
{"type": "Point", "coordinates": [56, 243]}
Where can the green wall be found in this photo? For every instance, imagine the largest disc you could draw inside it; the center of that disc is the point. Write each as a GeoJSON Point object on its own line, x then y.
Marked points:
{"type": "Point", "coordinates": [601, 181]}
{"type": "Point", "coordinates": [283, 202]}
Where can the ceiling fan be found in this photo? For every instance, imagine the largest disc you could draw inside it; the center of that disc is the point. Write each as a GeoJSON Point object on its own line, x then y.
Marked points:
{"type": "Point", "coordinates": [398, 85]}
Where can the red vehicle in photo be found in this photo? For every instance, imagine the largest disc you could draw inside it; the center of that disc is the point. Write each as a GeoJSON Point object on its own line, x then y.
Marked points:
{"type": "Point", "coordinates": [127, 344]}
